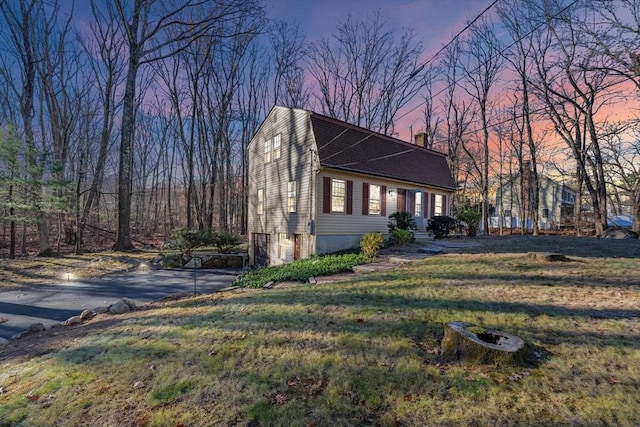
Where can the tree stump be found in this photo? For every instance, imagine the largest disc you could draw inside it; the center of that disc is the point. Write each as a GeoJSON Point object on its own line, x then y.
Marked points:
{"type": "Point", "coordinates": [476, 345]}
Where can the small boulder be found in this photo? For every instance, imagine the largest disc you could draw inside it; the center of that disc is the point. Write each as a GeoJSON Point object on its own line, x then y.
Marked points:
{"type": "Point", "coordinates": [87, 314]}
{"type": "Point", "coordinates": [131, 303]}
{"type": "Point", "coordinates": [619, 233]}
{"type": "Point", "coordinates": [172, 261]}
{"type": "Point", "coordinates": [37, 327]}
{"type": "Point", "coordinates": [3, 341]}
{"type": "Point", "coordinates": [194, 262]}
{"type": "Point", "coordinates": [119, 307]}
{"type": "Point", "coordinates": [75, 320]}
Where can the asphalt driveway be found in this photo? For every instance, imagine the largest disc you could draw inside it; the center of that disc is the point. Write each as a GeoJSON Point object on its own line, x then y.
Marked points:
{"type": "Point", "coordinates": [54, 304]}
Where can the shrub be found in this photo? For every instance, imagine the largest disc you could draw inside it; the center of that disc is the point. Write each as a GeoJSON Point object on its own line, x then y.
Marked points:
{"type": "Point", "coordinates": [440, 226]}
{"type": "Point", "coordinates": [303, 269]}
{"type": "Point", "coordinates": [400, 237]}
{"type": "Point", "coordinates": [371, 243]}
{"type": "Point", "coordinates": [471, 218]}
{"type": "Point", "coordinates": [402, 221]}
{"type": "Point", "coordinates": [224, 241]}
{"type": "Point", "coordinates": [187, 240]}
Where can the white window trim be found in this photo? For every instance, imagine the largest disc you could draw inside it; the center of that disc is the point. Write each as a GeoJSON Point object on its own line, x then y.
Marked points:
{"type": "Point", "coordinates": [292, 196]}
{"type": "Point", "coordinates": [336, 197]}
{"type": "Point", "coordinates": [260, 204]}
{"type": "Point", "coordinates": [438, 206]}
{"type": "Point", "coordinates": [375, 199]}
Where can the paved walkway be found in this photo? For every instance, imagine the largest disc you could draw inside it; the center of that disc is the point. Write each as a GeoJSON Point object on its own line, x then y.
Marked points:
{"type": "Point", "coordinates": [54, 304]}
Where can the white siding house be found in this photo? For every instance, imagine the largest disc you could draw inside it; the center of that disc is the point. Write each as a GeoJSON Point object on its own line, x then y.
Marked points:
{"type": "Point", "coordinates": [317, 184]}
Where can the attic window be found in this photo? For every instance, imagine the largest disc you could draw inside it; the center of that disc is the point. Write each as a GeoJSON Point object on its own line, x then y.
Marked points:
{"type": "Point", "coordinates": [272, 148]}
{"type": "Point", "coordinates": [268, 144]}
{"type": "Point", "coordinates": [276, 147]}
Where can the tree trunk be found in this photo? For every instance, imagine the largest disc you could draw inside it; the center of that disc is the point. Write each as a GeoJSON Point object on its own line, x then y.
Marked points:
{"type": "Point", "coordinates": [125, 173]}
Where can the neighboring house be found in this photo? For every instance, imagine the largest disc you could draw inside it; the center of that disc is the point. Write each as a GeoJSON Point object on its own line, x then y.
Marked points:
{"type": "Point", "coordinates": [317, 184]}
{"type": "Point", "coordinates": [555, 209]}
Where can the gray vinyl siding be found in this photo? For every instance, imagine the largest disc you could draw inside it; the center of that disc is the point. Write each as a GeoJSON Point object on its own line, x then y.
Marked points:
{"type": "Point", "coordinates": [336, 231]}
{"type": "Point", "coordinates": [274, 176]}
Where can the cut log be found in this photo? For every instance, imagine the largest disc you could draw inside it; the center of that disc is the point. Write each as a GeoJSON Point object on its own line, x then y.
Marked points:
{"type": "Point", "coordinates": [476, 345]}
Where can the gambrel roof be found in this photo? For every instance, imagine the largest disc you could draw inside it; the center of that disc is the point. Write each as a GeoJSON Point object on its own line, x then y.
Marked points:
{"type": "Point", "coordinates": [352, 148]}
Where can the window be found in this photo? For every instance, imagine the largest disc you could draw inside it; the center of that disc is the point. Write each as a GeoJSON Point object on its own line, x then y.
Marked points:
{"type": "Point", "coordinates": [418, 208]}
{"type": "Point", "coordinates": [276, 147]}
{"type": "Point", "coordinates": [272, 148]}
{"type": "Point", "coordinates": [291, 196]}
{"type": "Point", "coordinates": [260, 208]}
{"type": "Point", "coordinates": [267, 151]}
{"type": "Point", "coordinates": [374, 199]}
{"type": "Point", "coordinates": [545, 213]}
{"type": "Point", "coordinates": [283, 245]}
{"type": "Point", "coordinates": [437, 207]}
{"type": "Point", "coordinates": [338, 193]}
{"type": "Point", "coordinates": [506, 212]}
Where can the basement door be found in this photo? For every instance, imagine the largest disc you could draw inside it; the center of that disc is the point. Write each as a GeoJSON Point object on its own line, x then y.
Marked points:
{"type": "Point", "coordinates": [260, 249]}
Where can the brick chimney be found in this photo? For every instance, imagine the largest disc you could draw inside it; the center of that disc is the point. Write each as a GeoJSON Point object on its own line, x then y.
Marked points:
{"type": "Point", "coordinates": [420, 139]}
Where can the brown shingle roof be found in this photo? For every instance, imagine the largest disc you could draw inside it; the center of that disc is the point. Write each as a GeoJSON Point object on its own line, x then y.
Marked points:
{"type": "Point", "coordinates": [349, 147]}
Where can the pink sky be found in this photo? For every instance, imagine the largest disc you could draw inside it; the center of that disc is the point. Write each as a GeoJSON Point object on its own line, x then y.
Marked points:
{"type": "Point", "coordinates": [435, 22]}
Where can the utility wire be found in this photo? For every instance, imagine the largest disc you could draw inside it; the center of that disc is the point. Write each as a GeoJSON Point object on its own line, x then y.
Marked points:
{"type": "Point", "coordinates": [413, 74]}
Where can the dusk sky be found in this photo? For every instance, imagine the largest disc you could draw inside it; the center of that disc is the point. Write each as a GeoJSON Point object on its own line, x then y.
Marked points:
{"type": "Point", "coordinates": [435, 23]}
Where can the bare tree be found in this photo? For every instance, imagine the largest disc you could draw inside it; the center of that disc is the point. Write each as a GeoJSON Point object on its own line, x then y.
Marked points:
{"type": "Point", "coordinates": [621, 154]}
{"type": "Point", "coordinates": [288, 49]}
{"type": "Point", "coordinates": [573, 90]}
{"type": "Point", "coordinates": [104, 53]}
{"type": "Point", "coordinates": [482, 61]}
{"type": "Point", "coordinates": [154, 30]}
{"type": "Point", "coordinates": [366, 74]}
{"type": "Point", "coordinates": [458, 116]}
{"type": "Point", "coordinates": [26, 26]}
{"type": "Point", "coordinates": [519, 56]}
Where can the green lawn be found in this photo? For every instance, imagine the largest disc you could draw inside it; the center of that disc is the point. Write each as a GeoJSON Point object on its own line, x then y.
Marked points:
{"type": "Point", "coordinates": [363, 352]}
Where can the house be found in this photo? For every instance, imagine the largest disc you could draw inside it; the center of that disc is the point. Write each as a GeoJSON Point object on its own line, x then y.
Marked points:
{"type": "Point", "coordinates": [555, 208]}
{"type": "Point", "coordinates": [316, 185]}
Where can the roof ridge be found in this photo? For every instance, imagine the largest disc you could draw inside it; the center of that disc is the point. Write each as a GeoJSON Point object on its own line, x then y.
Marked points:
{"type": "Point", "coordinates": [373, 133]}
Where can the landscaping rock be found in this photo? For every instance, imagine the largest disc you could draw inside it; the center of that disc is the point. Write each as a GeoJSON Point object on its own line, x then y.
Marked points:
{"type": "Point", "coordinates": [3, 341]}
{"type": "Point", "coordinates": [312, 280]}
{"type": "Point", "coordinates": [75, 320]}
{"type": "Point", "coordinates": [172, 261]}
{"type": "Point", "coordinates": [101, 310]}
{"type": "Point", "coordinates": [37, 327]}
{"type": "Point", "coordinates": [131, 303]}
{"type": "Point", "coordinates": [269, 284]}
{"type": "Point", "coordinates": [119, 307]}
{"type": "Point", "coordinates": [476, 345]}
{"type": "Point", "coordinates": [194, 262]}
{"type": "Point", "coordinates": [87, 314]}
{"type": "Point", "coordinates": [619, 233]}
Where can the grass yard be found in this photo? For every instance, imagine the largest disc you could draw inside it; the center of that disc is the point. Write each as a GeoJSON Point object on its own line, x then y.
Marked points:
{"type": "Point", "coordinates": [358, 352]}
